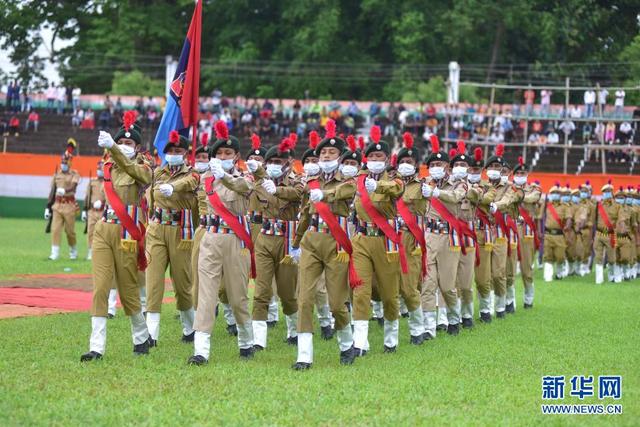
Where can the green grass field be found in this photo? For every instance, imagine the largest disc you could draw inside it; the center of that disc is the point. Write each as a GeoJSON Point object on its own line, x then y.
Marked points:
{"type": "Point", "coordinates": [490, 375]}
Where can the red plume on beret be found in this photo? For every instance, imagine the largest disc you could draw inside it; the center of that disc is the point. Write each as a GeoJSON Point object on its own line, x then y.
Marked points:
{"type": "Point", "coordinates": [500, 150]}
{"type": "Point", "coordinates": [557, 184]}
{"type": "Point", "coordinates": [394, 160]}
{"type": "Point", "coordinates": [375, 134]}
{"type": "Point", "coordinates": [361, 143]}
{"type": "Point", "coordinates": [408, 140]}
{"type": "Point", "coordinates": [204, 139]}
{"type": "Point", "coordinates": [314, 139]}
{"type": "Point", "coordinates": [285, 145]}
{"type": "Point", "coordinates": [461, 147]}
{"type": "Point", "coordinates": [621, 188]}
{"type": "Point", "coordinates": [129, 118]}
{"type": "Point", "coordinates": [255, 142]}
{"type": "Point", "coordinates": [222, 132]}
{"type": "Point", "coordinates": [520, 161]}
{"type": "Point", "coordinates": [174, 137]}
{"type": "Point", "coordinates": [294, 138]}
{"type": "Point", "coordinates": [568, 185]}
{"type": "Point", "coordinates": [330, 129]}
{"type": "Point", "coordinates": [452, 153]}
{"type": "Point", "coordinates": [351, 142]}
{"type": "Point", "coordinates": [477, 154]}
{"type": "Point", "coordinates": [587, 182]}
{"type": "Point", "coordinates": [435, 143]}
{"type": "Point", "coordinates": [609, 181]}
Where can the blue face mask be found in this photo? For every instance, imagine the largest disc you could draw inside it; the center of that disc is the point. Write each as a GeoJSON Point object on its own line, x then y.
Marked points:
{"type": "Point", "coordinates": [584, 195]}
{"type": "Point", "coordinates": [64, 167]}
{"type": "Point", "coordinates": [636, 202]}
{"type": "Point", "coordinates": [575, 199]}
{"type": "Point", "coordinates": [629, 201]}
{"type": "Point", "coordinates": [565, 199]}
{"type": "Point", "coordinates": [620, 200]}
{"type": "Point", "coordinates": [554, 197]}
{"type": "Point", "coordinates": [606, 195]}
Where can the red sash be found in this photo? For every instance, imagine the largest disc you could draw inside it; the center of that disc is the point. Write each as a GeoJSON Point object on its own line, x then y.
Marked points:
{"type": "Point", "coordinates": [554, 214]}
{"type": "Point", "coordinates": [513, 228]}
{"type": "Point", "coordinates": [231, 220]}
{"type": "Point", "coordinates": [415, 230]}
{"type": "Point", "coordinates": [337, 232]}
{"type": "Point", "coordinates": [532, 225]}
{"type": "Point", "coordinates": [381, 222]}
{"type": "Point", "coordinates": [607, 222]}
{"type": "Point", "coordinates": [500, 222]}
{"type": "Point", "coordinates": [126, 221]}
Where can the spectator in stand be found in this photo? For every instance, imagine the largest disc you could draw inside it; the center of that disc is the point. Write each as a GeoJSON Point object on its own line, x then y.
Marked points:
{"type": "Point", "coordinates": [529, 97]}
{"type": "Point", "coordinates": [567, 127]}
{"type": "Point", "coordinates": [69, 98]}
{"type": "Point", "coordinates": [108, 106]}
{"type": "Point", "coordinates": [392, 118]}
{"type": "Point", "coordinates": [77, 117]}
{"type": "Point", "coordinates": [575, 112]}
{"type": "Point", "coordinates": [430, 111]}
{"type": "Point", "coordinates": [9, 98]}
{"type": "Point", "coordinates": [61, 96]}
{"type": "Point", "coordinates": [545, 102]}
{"type": "Point", "coordinates": [587, 130]}
{"type": "Point", "coordinates": [589, 102]}
{"type": "Point", "coordinates": [374, 110]}
{"type": "Point", "coordinates": [50, 94]}
{"type": "Point", "coordinates": [118, 109]}
{"type": "Point", "coordinates": [15, 103]}
{"type": "Point", "coordinates": [536, 127]}
{"type": "Point", "coordinates": [626, 132]}
{"type": "Point", "coordinates": [553, 139]}
{"type": "Point", "coordinates": [349, 124]}
{"type": "Point", "coordinates": [619, 103]}
{"type": "Point", "coordinates": [75, 98]}
{"type": "Point", "coordinates": [267, 105]}
{"type": "Point", "coordinates": [353, 110]}
{"type": "Point", "coordinates": [496, 136]}
{"type": "Point", "coordinates": [602, 100]}
{"type": "Point", "coordinates": [609, 132]}
{"type": "Point", "coordinates": [14, 125]}
{"type": "Point", "coordinates": [33, 119]}
{"type": "Point", "coordinates": [104, 120]}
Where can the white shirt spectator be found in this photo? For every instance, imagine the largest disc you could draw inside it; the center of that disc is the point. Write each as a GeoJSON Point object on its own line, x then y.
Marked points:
{"type": "Point", "coordinates": [625, 128]}
{"type": "Point", "coordinates": [545, 97]}
{"type": "Point", "coordinates": [496, 137]}
{"type": "Point", "coordinates": [575, 112]}
{"type": "Point", "coordinates": [619, 98]}
{"type": "Point", "coordinates": [62, 94]}
{"type": "Point", "coordinates": [553, 137]}
{"type": "Point", "coordinates": [589, 97]}
{"type": "Point", "coordinates": [602, 96]}
{"type": "Point", "coordinates": [52, 93]}
{"type": "Point", "coordinates": [76, 92]}
{"type": "Point", "coordinates": [567, 127]}
{"type": "Point", "coordinates": [402, 117]}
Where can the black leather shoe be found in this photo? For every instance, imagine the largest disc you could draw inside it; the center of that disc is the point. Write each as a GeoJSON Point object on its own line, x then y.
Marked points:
{"type": "Point", "coordinates": [292, 340]}
{"type": "Point", "coordinates": [188, 338]}
{"type": "Point", "coordinates": [380, 321]}
{"type": "Point", "coordinates": [389, 349]}
{"type": "Point", "coordinates": [141, 349]}
{"type": "Point", "coordinates": [348, 356]}
{"type": "Point", "coordinates": [257, 347]}
{"type": "Point", "coordinates": [405, 315]}
{"type": "Point", "coordinates": [416, 340]}
{"type": "Point", "coordinates": [326, 332]}
{"type": "Point", "coordinates": [152, 342]}
{"type": "Point", "coordinates": [271, 324]}
{"type": "Point", "coordinates": [300, 366]}
{"type": "Point", "coordinates": [485, 317]}
{"type": "Point", "coordinates": [247, 353]}
{"type": "Point", "coordinates": [453, 329]}
{"type": "Point", "coordinates": [500, 314]}
{"type": "Point", "coordinates": [427, 336]}
{"type": "Point", "coordinates": [232, 330]}
{"type": "Point", "coordinates": [359, 352]}
{"type": "Point", "coordinates": [110, 316]}
{"type": "Point", "coordinates": [510, 308]}
{"type": "Point", "coordinates": [441, 327]}
{"type": "Point", "coordinates": [467, 323]}
{"type": "Point", "coordinates": [527, 306]}
{"type": "Point", "coordinates": [197, 360]}
{"type": "Point", "coordinates": [92, 355]}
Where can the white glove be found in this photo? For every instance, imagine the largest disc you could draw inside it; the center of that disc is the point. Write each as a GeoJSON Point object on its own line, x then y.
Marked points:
{"type": "Point", "coordinates": [436, 192]}
{"type": "Point", "coordinates": [166, 189]}
{"type": "Point", "coordinates": [493, 208]}
{"type": "Point", "coordinates": [60, 191]}
{"type": "Point", "coordinates": [97, 204]}
{"type": "Point", "coordinates": [316, 195]}
{"type": "Point", "coordinates": [47, 213]}
{"type": "Point", "coordinates": [105, 140]}
{"type": "Point", "coordinates": [295, 254]}
{"type": "Point", "coordinates": [370, 184]}
{"type": "Point", "coordinates": [426, 190]}
{"type": "Point", "coordinates": [215, 165]}
{"type": "Point", "coordinates": [83, 216]}
{"type": "Point", "coordinates": [269, 186]}
{"type": "Point", "coordinates": [252, 165]}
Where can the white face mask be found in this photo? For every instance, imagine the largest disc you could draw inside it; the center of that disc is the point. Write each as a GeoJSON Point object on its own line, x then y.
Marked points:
{"type": "Point", "coordinates": [376, 166]}
{"type": "Point", "coordinates": [504, 179]}
{"type": "Point", "coordinates": [227, 164]}
{"type": "Point", "coordinates": [274, 171]}
{"type": "Point", "coordinates": [201, 167]}
{"type": "Point", "coordinates": [328, 166]}
{"type": "Point", "coordinates": [127, 150]}
{"type": "Point", "coordinates": [520, 180]}
{"type": "Point", "coordinates": [493, 174]}
{"type": "Point", "coordinates": [459, 172]}
{"type": "Point", "coordinates": [349, 171]}
{"type": "Point", "coordinates": [436, 172]}
{"type": "Point", "coordinates": [406, 169]}
{"type": "Point", "coordinates": [474, 178]}
{"type": "Point", "coordinates": [311, 169]}
{"type": "Point", "coordinates": [174, 159]}
{"type": "Point", "coordinates": [100, 173]}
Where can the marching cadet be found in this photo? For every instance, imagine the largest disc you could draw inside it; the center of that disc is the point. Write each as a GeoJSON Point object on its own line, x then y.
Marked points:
{"type": "Point", "coordinates": [411, 208]}
{"type": "Point", "coordinates": [377, 245]}
{"type": "Point", "coordinates": [325, 247]}
{"type": "Point", "coordinates": [442, 240]}
{"type": "Point", "coordinates": [527, 230]}
{"type": "Point", "coordinates": [557, 220]}
{"type": "Point", "coordinates": [485, 234]}
{"type": "Point", "coordinates": [580, 215]}
{"type": "Point", "coordinates": [630, 269]}
{"type": "Point", "coordinates": [279, 192]}
{"type": "Point", "coordinates": [62, 206]}
{"type": "Point", "coordinates": [510, 215]}
{"type": "Point", "coordinates": [169, 237]}
{"type": "Point", "coordinates": [625, 226]}
{"type": "Point", "coordinates": [605, 241]}
{"type": "Point", "coordinates": [588, 205]}
{"type": "Point", "coordinates": [118, 241]}
{"type": "Point", "coordinates": [223, 249]}
{"type": "Point", "coordinates": [636, 235]}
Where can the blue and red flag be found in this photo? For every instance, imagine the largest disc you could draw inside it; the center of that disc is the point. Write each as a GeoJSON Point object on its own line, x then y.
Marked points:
{"type": "Point", "coordinates": [181, 111]}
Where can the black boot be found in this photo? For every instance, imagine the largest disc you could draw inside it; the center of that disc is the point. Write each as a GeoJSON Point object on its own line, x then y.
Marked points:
{"type": "Point", "coordinates": [232, 330]}
{"type": "Point", "coordinates": [441, 327]}
{"type": "Point", "coordinates": [427, 336]}
{"type": "Point", "coordinates": [527, 306]}
{"type": "Point", "coordinates": [453, 329]}
{"type": "Point", "coordinates": [405, 315]}
{"type": "Point", "coordinates": [389, 349]}
{"type": "Point", "coordinates": [300, 366]}
{"type": "Point", "coordinates": [271, 324]}
{"type": "Point", "coordinates": [485, 317]}
{"type": "Point", "coordinates": [92, 355]}
{"type": "Point", "coordinates": [326, 332]}
{"type": "Point", "coordinates": [467, 322]}
{"type": "Point", "coordinates": [141, 349]}
{"type": "Point", "coordinates": [257, 347]}
{"type": "Point", "coordinates": [197, 360]}
{"type": "Point", "coordinates": [359, 352]}
{"type": "Point", "coordinates": [188, 338]}
{"type": "Point", "coordinates": [510, 308]}
{"type": "Point", "coordinates": [500, 314]}
{"type": "Point", "coordinates": [292, 340]}
{"type": "Point", "coordinates": [152, 342]}
{"type": "Point", "coordinates": [348, 356]}
{"type": "Point", "coordinates": [417, 339]}
{"type": "Point", "coordinates": [380, 321]}
{"type": "Point", "coordinates": [247, 353]}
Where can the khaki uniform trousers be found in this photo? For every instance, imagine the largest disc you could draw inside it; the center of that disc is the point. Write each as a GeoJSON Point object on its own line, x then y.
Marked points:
{"type": "Point", "coordinates": [625, 251]}
{"type": "Point", "coordinates": [511, 266]}
{"type": "Point", "coordinates": [318, 255]}
{"type": "Point", "coordinates": [269, 254]}
{"type": "Point", "coordinates": [587, 244]}
{"type": "Point", "coordinates": [111, 265]}
{"type": "Point", "coordinates": [163, 247]}
{"type": "Point", "coordinates": [222, 262]}
{"type": "Point", "coordinates": [442, 269]}
{"type": "Point", "coordinates": [527, 255]}
{"type": "Point", "coordinates": [195, 253]}
{"type": "Point", "coordinates": [555, 248]}
{"type": "Point", "coordinates": [575, 250]}
{"type": "Point", "coordinates": [499, 266]}
{"type": "Point", "coordinates": [64, 217]}
{"type": "Point", "coordinates": [602, 246]}
{"type": "Point", "coordinates": [464, 275]}
{"type": "Point", "coordinates": [93, 216]}
{"type": "Point", "coordinates": [410, 283]}
{"type": "Point", "coordinates": [370, 259]}
{"type": "Point", "coordinates": [483, 269]}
